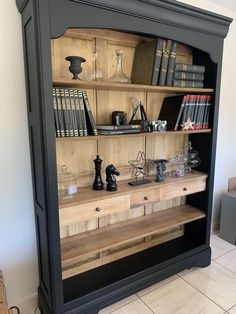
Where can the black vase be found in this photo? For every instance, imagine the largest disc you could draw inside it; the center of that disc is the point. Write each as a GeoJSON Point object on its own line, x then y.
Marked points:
{"type": "Point", "coordinates": [75, 66]}
{"type": "Point", "coordinates": [161, 167]}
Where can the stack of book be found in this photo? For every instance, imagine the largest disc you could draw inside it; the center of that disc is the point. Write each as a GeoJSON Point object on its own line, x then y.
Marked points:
{"type": "Point", "coordinates": [118, 129]}
{"type": "Point", "coordinates": [72, 113]}
{"type": "Point", "coordinates": [154, 62]}
{"type": "Point", "coordinates": [186, 112]}
{"type": "Point", "coordinates": [188, 75]}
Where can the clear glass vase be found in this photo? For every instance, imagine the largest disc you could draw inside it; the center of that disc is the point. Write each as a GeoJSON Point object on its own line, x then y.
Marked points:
{"type": "Point", "coordinates": [95, 74]}
{"type": "Point", "coordinates": [119, 75]}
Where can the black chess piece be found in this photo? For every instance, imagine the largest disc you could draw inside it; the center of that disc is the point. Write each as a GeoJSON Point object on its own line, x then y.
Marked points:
{"type": "Point", "coordinates": [111, 172]}
{"type": "Point", "coordinates": [161, 167]}
{"type": "Point", "coordinates": [97, 183]}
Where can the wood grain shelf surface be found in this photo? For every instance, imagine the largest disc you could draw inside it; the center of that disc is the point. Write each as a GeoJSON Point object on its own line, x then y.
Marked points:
{"type": "Point", "coordinates": [151, 134]}
{"type": "Point", "coordinates": [63, 82]}
{"type": "Point", "coordinates": [124, 232]}
{"type": "Point", "coordinates": [87, 194]}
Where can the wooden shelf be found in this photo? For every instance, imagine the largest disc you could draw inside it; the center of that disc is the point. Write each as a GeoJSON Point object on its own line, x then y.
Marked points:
{"type": "Point", "coordinates": [87, 194]}
{"type": "Point", "coordinates": [151, 134]}
{"type": "Point", "coordinates": [124, 232]}
{"type": "Point", "coordinates": [63, 82]}
{"type": "Point", "coordinates": [84, 205]}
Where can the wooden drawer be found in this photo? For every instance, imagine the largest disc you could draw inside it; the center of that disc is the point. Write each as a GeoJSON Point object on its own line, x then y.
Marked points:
{"type": "Point", "coordinates": [94, 209]}
{"type": "Point", "coordinates": [145, 197]}
{"type": "Point", "coordinates": [182, 188]}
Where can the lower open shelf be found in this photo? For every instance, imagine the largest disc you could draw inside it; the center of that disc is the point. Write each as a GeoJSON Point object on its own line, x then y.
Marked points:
{"type": "Point", "coordinates": [77, 247]}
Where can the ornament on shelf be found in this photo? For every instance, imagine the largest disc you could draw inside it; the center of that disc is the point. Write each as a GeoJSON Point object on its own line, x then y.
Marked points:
{"type": "Point", "coordinates": [188, 125]}
{"type": "Point", "coordinates": [140, 168]}
{"type": "Point", "coordinates": [111, 172]}
{"type": "Point", "coordinates": [95, 74]}
{"type": "Point", "coordinates": [119, 75]}
{"type": "Point", "coordinates": [193, 159]}
{"type": "Point", "coordinates": [75, 66]}
{"type": "Point", "coordinates": [161, 167]}
{"type": "Point", "coordinates": [97, 183]}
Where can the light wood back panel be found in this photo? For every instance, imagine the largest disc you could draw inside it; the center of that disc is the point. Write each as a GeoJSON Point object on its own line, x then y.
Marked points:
{"type": "Point", "coordinates": [78, 156]}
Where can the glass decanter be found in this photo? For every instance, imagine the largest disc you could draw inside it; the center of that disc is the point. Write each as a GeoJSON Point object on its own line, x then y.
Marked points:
{"type": "Point", "coordinates": [95, 74]}
{"type": "Point", "coordinates": [119, 75]}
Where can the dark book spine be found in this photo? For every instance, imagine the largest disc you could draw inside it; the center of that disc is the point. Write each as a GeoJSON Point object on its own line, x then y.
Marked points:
{"type": "Point", "coordinates": [65, 112]}
{"type": "Point", "coordinates": [87, 109]}
{"type": "Point", "coordinates": [189, 68]}
{"type": "Point", "coordinates": [164, 62]}
{"type": "Point", "coordinates": [199, 113]}
{"type": "Point", "coordinates": [69, 113]}
{"type": "Point", "coordinates": [78, 113]}
{"type": "Point", "coordinates": [171, 64]}
{"type": "Point", "coordinates": [189, 84]}
{"type": "Point", "coordinates": [203, 113]}
{"type": "Point", "coordinates": [82, 111]}
{"type": "Point", "coordinates": [196, 111]}
{"type": "Point", "coordinates": [157, 61]}
{"type": "Point", "coordinates": [188, 76]}
{"type": "Point", "coordinates": [73, 113]}
{"type": "Point", "coordinates": [60, 113]}
{"type": "Point", "coordinates": [209, 103]}
{"type": "Point", "coordinates": [56, 118]}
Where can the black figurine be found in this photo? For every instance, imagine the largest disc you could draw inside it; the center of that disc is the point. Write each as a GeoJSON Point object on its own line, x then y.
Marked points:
{"type": "Point", "coordinates": [161, 167]}
{"type": "Point", "coordinates": [75, 66]}
{"type": "Point", "coordinates": [111, 172]}
{"type": "Point", "coordinates": [98, 184]}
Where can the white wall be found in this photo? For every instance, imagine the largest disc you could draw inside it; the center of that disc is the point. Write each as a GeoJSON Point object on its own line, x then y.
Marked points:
{"type": "Point", "coordinates": [17, 233]}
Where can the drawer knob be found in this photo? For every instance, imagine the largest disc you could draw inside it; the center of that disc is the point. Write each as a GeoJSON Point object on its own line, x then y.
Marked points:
{"type": "Point", "coordinates": [98, 209]}
{"type": "Point", "coordinates": [185, 189]}
{"type": "Point", "coordinates": [146, 198]}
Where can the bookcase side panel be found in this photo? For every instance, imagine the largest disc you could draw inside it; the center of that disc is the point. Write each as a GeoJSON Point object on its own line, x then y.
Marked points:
{"type": "Point", "coordinates": [36, 39]}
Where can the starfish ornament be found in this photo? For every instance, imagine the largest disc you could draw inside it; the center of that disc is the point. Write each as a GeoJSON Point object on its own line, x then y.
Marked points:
{"type": "Point", "coordinates": [188, 125]}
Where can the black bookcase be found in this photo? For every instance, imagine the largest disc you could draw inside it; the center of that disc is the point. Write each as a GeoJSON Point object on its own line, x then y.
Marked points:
{"type": "Point", "coordinates": [45, 20]}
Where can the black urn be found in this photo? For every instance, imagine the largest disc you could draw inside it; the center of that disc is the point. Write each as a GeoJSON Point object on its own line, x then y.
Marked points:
{"type": "Point", "coordinates": [160, 168]}
{"type": "Point", "coordinates": [75, 65]}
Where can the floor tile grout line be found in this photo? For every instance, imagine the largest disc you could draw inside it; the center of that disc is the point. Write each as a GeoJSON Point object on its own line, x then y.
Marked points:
{"type": "Point", "coordinates": [231, 308]}
{"type": "Point", "coordinates": [146, 305]}
{"type": "Point", "coordinates": [213, 259]}
{"type": "Point", "coordinates": [127, 304]}
{"type": "Point", "coordinates": [157, 287]}
{"type": "Point", "coordinates": [123, 304]}
{"type": "Point", "coordinates": [204, 294]}
{"type": "Point", "coordinates": [225, 267]}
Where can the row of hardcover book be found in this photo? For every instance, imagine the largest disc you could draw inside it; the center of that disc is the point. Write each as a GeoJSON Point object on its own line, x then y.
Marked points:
{"type": "Point", "coordinates": [191, 109]}
{"type": "Point", "coordinates": [155, 64]}
{"type": "Point", "coordinates": [188, 75]}
{"type": "Point", "coordinates": [72, 113]}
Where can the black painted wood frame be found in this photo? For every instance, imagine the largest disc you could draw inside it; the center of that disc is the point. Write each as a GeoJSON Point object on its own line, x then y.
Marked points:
{"type": "Point", "coordinates": [46, 19]}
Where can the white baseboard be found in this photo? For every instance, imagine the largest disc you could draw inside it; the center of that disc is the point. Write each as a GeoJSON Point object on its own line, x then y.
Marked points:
{"type": "Point", "coordinates": [28, 305]}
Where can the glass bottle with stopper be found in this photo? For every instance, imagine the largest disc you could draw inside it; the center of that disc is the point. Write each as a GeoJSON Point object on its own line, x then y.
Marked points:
{"type": "Point", "coordinates": [119, 75]}
{"type": "Point", "coordinates": [67, 184]}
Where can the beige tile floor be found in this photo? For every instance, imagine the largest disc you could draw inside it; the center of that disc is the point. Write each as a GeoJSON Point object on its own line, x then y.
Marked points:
{"type": "Point", "coordinates": [210, 290]}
